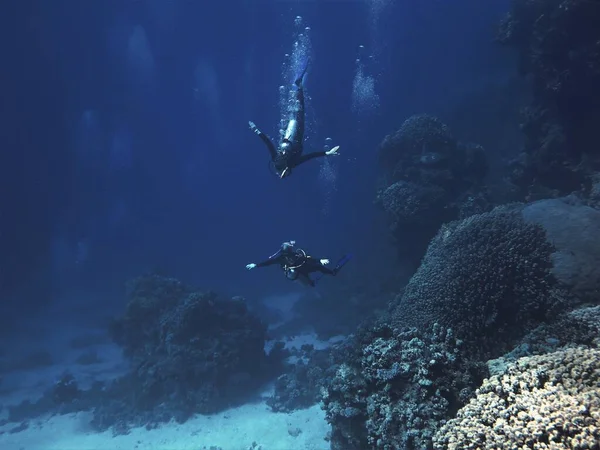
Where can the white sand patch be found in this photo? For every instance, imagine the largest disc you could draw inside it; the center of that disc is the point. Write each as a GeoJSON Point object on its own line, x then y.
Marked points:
{"type": "Point", "coordinates": [235, 429]}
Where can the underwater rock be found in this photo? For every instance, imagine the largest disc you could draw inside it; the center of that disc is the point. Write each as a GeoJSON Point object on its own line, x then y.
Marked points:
{"type": "Point", "coordinates": [574, 231]}
{"type": "Point", "coordinates": [547, 401]}
{"type": "Point", "coordinates": [396, 387]}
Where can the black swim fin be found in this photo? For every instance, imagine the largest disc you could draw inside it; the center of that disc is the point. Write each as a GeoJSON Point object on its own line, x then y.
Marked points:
{"type": "Point", "coordinates": [342, 262]}
{"type": "Point", "coordinates": [299, 79]}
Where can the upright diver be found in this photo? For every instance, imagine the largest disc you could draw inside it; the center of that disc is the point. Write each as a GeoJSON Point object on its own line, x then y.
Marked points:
{"type": "Point", "coordinates": [289, 153]}
{"type": "Point", "coordinates": [297, 265]}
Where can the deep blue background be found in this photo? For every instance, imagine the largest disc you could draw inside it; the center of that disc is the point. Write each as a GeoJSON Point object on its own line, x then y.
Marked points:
{"type": "Point", "coordinates": [199, 202]}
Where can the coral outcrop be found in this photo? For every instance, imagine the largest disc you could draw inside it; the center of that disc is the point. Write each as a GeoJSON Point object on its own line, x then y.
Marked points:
{"type": "Point", "coordinates": [550, 401]}
{"type": "Point", "coordinates": [488, 277]}
{"type": "Point", "coordinates": [558, 45]}
{"type": "Point", "coordinates": [396, 387]}
{"type": "Point", "coordinates": [427, 178]}
{"type": "Point", "coordinates": [190, 352]}
{"type": "Point", "coordinates": [302, 383]}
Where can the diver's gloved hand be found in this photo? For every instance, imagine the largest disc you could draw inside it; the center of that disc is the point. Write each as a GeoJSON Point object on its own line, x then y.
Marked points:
{"type": "Point", "coordinates": [333, 151]}
{"type": "Point", "coordinates": [250, 266]}
{"type": "Point", "coordinates": [253, 127]}
{"type": "Point", "coordinates": [324, 261]}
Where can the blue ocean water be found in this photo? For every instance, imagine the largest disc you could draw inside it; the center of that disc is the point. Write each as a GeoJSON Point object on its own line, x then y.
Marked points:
{"type": "Point", "coordinates": [126, 153]}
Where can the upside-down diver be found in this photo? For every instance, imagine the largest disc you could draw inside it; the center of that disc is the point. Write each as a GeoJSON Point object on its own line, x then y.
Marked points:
{"type": "Point", "coordinates": [289, 154]}
{"type": "Point", "coordinates": [298, 265]}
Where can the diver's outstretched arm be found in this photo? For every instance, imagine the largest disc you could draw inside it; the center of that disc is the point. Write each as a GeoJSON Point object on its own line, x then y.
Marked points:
{"type": "Point", "coordinates": [333, 152]}
{"type": "Point", "coordinates": [308, 157]}
{"type": "Point", "coordinates": [273, 259]}
{"type": "Point", "coordinates": [265, 139]}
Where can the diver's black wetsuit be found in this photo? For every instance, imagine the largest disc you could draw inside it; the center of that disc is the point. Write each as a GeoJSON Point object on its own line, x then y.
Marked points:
{"type": "Point", "coordinates": [289, 154]}
{"type": "Point", "coordinates": [297, 264]}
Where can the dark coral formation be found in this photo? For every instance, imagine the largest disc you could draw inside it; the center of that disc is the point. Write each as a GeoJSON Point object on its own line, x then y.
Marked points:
{"type": "Point", "coordinates": [550, 401]}
{"type": "Point", "coordinates": [396, 387]}
{"type": "Point", "coordinates": [191, 352]}
{"type": "Point", "coordinates": [487, 277]}
{"type": "Point", "coordinates": [487, 283]}
{"type": "Point", "coordinates": [577, 328]}
{"type": "Point", "coordinates": [558, 44]}
{"type": "Point", "coordinates": [428, 178]}
{"type": "Point", "coordinates": [302, 383]}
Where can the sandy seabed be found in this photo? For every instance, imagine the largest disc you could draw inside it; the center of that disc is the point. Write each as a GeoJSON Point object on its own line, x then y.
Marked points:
{"type": "Point", "coordinates": [246, 427]}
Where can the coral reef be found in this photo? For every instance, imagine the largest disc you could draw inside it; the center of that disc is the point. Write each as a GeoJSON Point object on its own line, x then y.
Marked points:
{"type": "Point", "coordinates": [487, 277]}
{"type": "Point", "coordinates": [64, 396]}
{"type": "Point", "coordinates": [558, 45]}
{"type": "Point", "coordinates": [396, 387]}
{"type": "Point", "coordinates": [487, 283]}
{"type": "Point", "coordinates": [549, 401]}
{"type": "Point", "coordinates": [422, 141]}
{"type": "Point", "coordinates": [428, 178]}
{"type": "Point", "coordinates": [302, 383]}
{"type": "Point", "coordinates": [580, 327]}
{"type": "Point", "coordinates": [191, 352]}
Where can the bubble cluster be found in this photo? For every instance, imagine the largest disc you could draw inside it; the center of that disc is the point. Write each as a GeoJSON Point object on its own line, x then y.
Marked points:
{"type": "Point", "coordinates": [376, 10]}
{"type": "Point", "coordinates": [292, 65]}
{"type": "Point", "coordinates": [365, 99]}
{"type": "Point", "coordinates": [328, 175]}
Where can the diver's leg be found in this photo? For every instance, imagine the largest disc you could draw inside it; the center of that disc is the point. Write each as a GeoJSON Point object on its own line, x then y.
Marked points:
{"type": "Point", "coordinates": [304, 278]}
{"type": "Point", "coordinates": [314, 265]}
{"type": "Point", "coordinates": [295, 129]}
{"type": "Point", "coordinates": [327, 271]}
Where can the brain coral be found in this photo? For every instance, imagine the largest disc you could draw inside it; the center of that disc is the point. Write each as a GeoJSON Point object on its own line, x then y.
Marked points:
{"type": "Point", "coordinates": [550, 401]}
{"type": "Point", "coordinates": [487, 277]}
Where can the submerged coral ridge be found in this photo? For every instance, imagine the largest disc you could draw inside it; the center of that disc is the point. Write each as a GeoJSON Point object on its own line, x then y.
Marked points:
{"type": "Point", "coordinates": [488, 284]}
{"type": "Point", "coordinates": [487, 277]}
{"type": "Point", "coordinates": [558, 46]}
{"type": "Point", "coordinates": [427, 178]}
{"type": "Point", "coordinates": [198, 353]}
{"type": "Point", "coordinates": [399, 388]}
{"type": "Point", "coordinates": [189, 352]}
{"type": "Point", "coordinates": [550, 401]}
